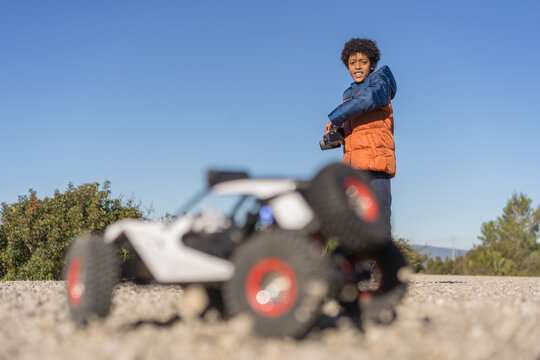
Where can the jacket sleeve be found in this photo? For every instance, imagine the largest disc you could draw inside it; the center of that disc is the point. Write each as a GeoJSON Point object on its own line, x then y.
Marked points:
{"type": "Point", "coordinates": [380, 89]}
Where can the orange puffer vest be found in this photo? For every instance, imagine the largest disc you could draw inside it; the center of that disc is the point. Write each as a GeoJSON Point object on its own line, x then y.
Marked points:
{"type": "Point", "coordinates": [369, 141]}
{"type": "Point", "coordinates": [368, 123]}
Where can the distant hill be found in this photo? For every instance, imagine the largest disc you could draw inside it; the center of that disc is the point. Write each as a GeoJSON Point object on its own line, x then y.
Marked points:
{"type": "Point", "coordinates": [434, 251]}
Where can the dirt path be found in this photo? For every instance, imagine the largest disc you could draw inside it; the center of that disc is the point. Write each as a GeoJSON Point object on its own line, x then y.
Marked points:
{"type": "Point", "coordinates": [442, 317]}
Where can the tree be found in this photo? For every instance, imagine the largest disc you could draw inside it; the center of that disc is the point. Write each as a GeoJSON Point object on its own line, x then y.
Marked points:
{"type": "Point", "coordinates": [34, 234]}
{"type": "Point", "coordinates": [510, 243]}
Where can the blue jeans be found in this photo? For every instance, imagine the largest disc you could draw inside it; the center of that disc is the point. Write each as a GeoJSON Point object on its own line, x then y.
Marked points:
{"type": "Point", "coordinates": [381, 184]}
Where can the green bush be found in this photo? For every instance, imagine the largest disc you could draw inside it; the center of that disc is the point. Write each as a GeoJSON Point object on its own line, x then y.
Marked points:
{"type": "Point", "coordinates": [34, 234]}
{"type": "Point", "coordinates": [413, 257]}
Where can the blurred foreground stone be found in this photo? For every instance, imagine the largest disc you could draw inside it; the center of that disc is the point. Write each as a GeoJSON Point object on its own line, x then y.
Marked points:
{"type": "Point", "coordinates": [442, 317]}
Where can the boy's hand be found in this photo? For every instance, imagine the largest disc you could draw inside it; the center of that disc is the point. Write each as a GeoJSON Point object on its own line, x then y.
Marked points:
{"type": "Point", "coordinates": [328, 127]}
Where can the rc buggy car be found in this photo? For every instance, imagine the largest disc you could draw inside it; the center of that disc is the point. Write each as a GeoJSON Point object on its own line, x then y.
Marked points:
{"type": "Point", "coordinates": [277, 249]}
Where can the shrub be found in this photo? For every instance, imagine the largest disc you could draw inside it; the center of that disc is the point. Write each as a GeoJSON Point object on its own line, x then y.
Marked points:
{"type": "Point", "coordinates": [34, 234]}
{"type": "Point", "coordinates": [413, 257]}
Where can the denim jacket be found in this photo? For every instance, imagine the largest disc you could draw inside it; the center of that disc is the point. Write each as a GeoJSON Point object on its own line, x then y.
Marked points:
{"type": "Point", "coordinates": [374, 92]}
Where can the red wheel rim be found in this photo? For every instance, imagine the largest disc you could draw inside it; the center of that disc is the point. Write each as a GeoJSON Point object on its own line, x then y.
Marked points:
{"type": "Point", "coordinates": [361, 199]}
{"type": "Point", "coordinates": [271, 287]}
{"type": "Point", "coordinates": [75, 287]}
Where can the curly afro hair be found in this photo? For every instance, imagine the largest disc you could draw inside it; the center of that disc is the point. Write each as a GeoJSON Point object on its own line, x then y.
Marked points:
{"type": "Point", "coordinates": [364, 46]}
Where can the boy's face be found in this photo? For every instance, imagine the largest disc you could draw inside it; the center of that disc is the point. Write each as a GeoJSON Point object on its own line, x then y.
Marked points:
{"type": "Point", "coordinates": [359, 67]}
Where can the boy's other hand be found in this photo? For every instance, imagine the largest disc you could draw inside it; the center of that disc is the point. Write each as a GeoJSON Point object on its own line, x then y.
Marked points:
{"type": "Point", "coordinates": [329, 126]}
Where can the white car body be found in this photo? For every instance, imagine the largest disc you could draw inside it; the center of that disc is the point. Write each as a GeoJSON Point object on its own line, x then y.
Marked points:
{"type": "Point", "coordinates": [163, 252]}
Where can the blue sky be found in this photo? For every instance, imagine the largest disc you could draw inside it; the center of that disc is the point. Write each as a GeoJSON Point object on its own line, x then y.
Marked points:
{"type": "Point", "coordinates": [150, 94]}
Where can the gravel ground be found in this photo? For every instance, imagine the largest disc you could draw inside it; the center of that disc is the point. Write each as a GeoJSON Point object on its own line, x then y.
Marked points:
{"type": "Point", "coordinates": [442, 317]}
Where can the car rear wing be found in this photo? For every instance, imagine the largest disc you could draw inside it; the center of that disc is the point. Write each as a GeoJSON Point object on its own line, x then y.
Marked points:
{"type": "Point", "coordinates": [214, 177]}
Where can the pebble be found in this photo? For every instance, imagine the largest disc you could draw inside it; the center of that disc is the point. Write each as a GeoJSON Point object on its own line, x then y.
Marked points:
{"type": "Point", "coordinates": [441, 317]}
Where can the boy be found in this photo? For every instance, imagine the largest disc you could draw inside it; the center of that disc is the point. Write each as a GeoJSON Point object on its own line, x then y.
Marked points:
{"type": "Point", "coordinates": [366, 117]}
